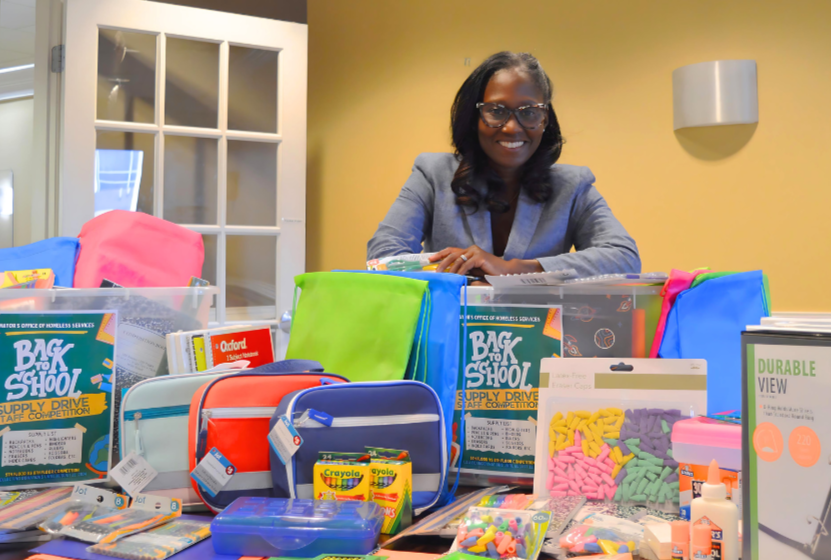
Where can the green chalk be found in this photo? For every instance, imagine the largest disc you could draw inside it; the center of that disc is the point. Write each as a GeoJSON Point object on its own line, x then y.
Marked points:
{"type": "Point", "coordinates": [633, 448]}
{"type": "Point", "coordinates": [669, 453]}
{"type": "Point", "coordinates": [590, 531]}
{"type": "Point", "coordinates": [625, 496]}
{"type": "Point", "coordinates": [504, 526]}
{"type": "Point", "coordinates": [640, 498]}
{"type": "Point", "coordinates": [676, 499]}
{"type": "Point", "coordinates": [642, 486]}
{"type": "Point", "coordinates": [611, 442]}
{"type": "Point", "coordinates": [657, 461]}
{"type": "Point", "coordinates": [478, 526]}
{"type": "Point", "coordinates": [619, 494]}
{"type": "Point", "coordinates": [654, 468]}
{"type": "Point", "coordinates": [674, 485]}
{"type": "Point", "coordinates": [662, 495]}
{"type": "Point", "coordinates": [666, 472]}
{"type": "Point", "coordinates": [664, 426]}
{"type": "Point", "coordinates": [653, 498]}
{"type": "Point", "coordinates": [645, 456]}
{"type": "Point", "coordinates": [632, 441]}
{"type": "Point", "coordinates": [651, 476]}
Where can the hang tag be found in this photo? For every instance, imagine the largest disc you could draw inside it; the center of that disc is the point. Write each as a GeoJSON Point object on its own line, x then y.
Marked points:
{"type": "Point", "coordinates": [284, 439]}
{"type": "Point", "coordinates": [213, 472]}
{"type": "Point", "coordinates": [99, 496]}
{"type": "Point", "coordinates": [161, 504]}
{"type": "Point", "coordinates": [133, 473]}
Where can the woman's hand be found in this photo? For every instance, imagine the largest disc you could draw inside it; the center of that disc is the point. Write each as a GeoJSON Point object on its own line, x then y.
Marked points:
{"type": "Point", "coordinates": [478, 262]}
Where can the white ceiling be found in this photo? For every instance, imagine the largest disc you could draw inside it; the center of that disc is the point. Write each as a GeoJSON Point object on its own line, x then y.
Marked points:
{"type": "Point", "coordinates": [17, 32]}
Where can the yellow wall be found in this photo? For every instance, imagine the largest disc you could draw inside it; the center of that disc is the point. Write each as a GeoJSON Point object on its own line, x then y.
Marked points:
{"type": "Point", "coordinates": [383, 73]}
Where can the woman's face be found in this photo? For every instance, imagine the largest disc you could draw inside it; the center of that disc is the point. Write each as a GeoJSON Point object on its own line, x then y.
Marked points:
{"type": "Point", "coordinates": [510, 146]}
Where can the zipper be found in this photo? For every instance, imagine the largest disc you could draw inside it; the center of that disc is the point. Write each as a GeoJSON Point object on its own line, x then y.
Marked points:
{"type": "Point", "coordinates": [360, 421]}
{"type": "Point", "coordinates": [240, 412]}
{"type": "Point", "coordinates": [161, 412]}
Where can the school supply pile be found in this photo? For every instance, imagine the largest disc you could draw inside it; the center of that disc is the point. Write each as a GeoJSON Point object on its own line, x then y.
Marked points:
{"type": "Point", "coordinates": [202, 350]}
{"type": "Point", "coordinates": [492, 533]}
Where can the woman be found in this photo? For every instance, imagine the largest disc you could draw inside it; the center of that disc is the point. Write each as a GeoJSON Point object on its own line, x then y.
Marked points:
{"type": "Point", "coordinates": [500, 205]}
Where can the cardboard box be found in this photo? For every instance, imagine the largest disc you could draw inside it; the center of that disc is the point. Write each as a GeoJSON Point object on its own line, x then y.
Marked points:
{"type": "Point", "coordinates": [342, 476]}
{"type": "Point", "coordinates": [392, 487]}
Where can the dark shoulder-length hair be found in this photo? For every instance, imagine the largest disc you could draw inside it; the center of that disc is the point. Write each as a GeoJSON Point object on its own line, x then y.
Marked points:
{"type": "Point", "coordinates": [535, 178]}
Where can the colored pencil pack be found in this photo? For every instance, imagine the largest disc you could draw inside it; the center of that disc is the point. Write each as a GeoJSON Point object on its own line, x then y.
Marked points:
{"type": "Point", "coordinates": [391, 487]}
{"type": "Point", "coordinates": [342, 477]}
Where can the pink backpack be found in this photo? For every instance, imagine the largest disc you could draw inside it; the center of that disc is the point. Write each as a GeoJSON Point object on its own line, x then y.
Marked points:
{"type": "Point", "coordinates": [677, 282]}
{"type": "Point", "coordinates": [136, 250]}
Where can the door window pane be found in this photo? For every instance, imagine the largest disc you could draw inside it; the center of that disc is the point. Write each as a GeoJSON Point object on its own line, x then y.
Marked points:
{"type": "Point", "coordinates": [192, 83]}
{"type": "Point", "coordinates": [124, 172]}
{"type": "Point", "coordinates": [190, 179]}
{"type": "Point", "coordinates": [126, 76]}
{"type": "Point", "coordinates": [251, 277]}
{"type": "Point", "coordinates": [252, 183]}
{"type": "Point", "coordinates": [252, 90]}
{"type": "Point", "coordinates": [209, 267]}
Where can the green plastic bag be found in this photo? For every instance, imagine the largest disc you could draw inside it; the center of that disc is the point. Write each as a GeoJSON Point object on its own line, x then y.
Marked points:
{"type": "Point", "coordinates": [361, 326]}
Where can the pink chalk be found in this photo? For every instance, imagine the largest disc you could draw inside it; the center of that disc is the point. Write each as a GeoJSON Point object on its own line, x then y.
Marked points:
{"type": "Point", "coordinates": [561, 487]}
{"type": "Point", "coordinates": [596, 479]}
{"type": "Point", "coordinates": [559, 471]}
{"type": "Point", "coordinates": [578, 455]}
{"type": "Point", "coordinates": [561, 479]}
{"type": "Point", "coordinates": [567, 460]}
{"type": "Point", "coordinates": [605, 468]}
{"type": "Point", "coordinates": [580, 471]}
{"type": "Point", "coordinates": [603, 455]}
{"type": "Point", "coordinates": [607, 479]}
{"type": "Point", "coordinates": [594, 470]}
{"type": "Point", "coordinates": [500, 535]}
{"type": "Point", "coordinates": [577, 438]}
{"type": "Point", "coordinates": [588, 489]}
{"type": "Point", "coordinates": [573, 486]}
{"type": "Point", "coordinates": [549, 483]}
{"type": "Point", "coordinates": [609, 463]}
{"type": "Point", "coordinates": [551, 464]}
{"type": "Point", "coordinates": [558, 494]}
{"type": "Point", "coordinates": [610, 492]}
{"type": "Point", "coordinates": [573, 493]}
{"type": "Point", "coordinates": [590, 461]}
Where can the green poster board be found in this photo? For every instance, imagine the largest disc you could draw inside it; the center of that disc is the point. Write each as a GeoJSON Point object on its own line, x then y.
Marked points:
{"type": "Point", "coordinates": [501, 386]}
{"type": "Point", "coordinates": [56, 408]}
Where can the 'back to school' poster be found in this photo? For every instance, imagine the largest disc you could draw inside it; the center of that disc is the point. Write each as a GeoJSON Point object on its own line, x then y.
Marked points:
{"type": "Point", "coordinates": [56, 379]}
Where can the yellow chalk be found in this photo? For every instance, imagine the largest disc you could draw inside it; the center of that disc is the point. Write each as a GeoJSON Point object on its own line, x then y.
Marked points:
{"type": "Point", "coordinates": [626, 459]}
{"type": "Point", "coordinates": [552, 447]}
{"type": "Point", "coordinates": [569, 418]}
{"type": "Point", "coordinates": [574, 423]}
{"type": "Point", "coordinates": [560, 430]}
{"type": "Point", "coordinates": [617, 411]}
{"type": "Point", "coordinates": [613, 435]}
{"type": "Point", "coordinates": [615, 471]}
{"type": "Point", "coordinates": [619, 422]}
{"type": "Point", "coordinates": [477, 548]}
{"type": "Point", "coordinates": [557, 418]}
{"type": "Point", "coordinates": [604, 412]}
{"type": "Point", "coordinates": [583, 413]}
{"type": "Point", "coordinates": [594, 417]}
{"type": "Point", "coordinates": [561, 439]}
{"type": "Point", "coordinates": [598, 433]}
{"type": "Point", "coordinates": [585, 445]}
{"type": "Point", "coordinates": [570, 439]}
{"type": "Point", "coordinates": [618, 454]}
{"type": "Point", "coordinates": [594, 447]}
{"type": "Point", "coordinates": [486, 538]}
{"type": "Point", "coordinates": [587, 433]}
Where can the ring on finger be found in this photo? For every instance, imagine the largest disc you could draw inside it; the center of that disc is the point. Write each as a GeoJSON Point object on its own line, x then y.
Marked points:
{"type": "Point", "coordinates": [464, 258]}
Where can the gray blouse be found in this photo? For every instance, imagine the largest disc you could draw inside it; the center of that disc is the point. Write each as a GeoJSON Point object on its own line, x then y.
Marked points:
{"type": "Point", "coordinates": [426, 212]}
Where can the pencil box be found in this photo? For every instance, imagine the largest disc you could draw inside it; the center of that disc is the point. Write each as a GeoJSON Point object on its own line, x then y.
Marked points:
{"type": "Point", "coordinates": [231, 414]}
{"type": "Point", "coordinates": [404, 415]}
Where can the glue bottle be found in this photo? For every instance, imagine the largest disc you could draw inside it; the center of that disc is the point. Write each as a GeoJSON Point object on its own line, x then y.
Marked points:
{"type": "Point", "coordinates": [680, 540]}
{"type": "Point", "coordinates": [702, 543]}
{"type": "Point", "coordinates": [721, 515]}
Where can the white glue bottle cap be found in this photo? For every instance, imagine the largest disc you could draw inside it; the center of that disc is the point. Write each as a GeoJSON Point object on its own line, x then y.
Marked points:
{"type": "Point", "coordinates": [714, 489]}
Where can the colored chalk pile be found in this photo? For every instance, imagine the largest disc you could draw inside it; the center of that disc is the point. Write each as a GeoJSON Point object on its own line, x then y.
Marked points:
{"type": "Point", "coordinates": [493, 535]}
{"type": "Point", "coordinates": [614, 455]}
{"type": "Point", "coordinates": [585, 539]}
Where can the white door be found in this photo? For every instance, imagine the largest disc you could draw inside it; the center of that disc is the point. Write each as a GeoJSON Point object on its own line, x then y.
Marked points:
{"type": "Point", "coordinates": [197, 117]}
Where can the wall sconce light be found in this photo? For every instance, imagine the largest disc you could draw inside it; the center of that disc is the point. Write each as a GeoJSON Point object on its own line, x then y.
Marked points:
{"type": "Point", "coordinates": [715, 93]}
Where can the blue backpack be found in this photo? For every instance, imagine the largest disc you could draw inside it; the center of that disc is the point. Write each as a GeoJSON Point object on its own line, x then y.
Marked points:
{"type": "Point", "coordinates": [58, 253]}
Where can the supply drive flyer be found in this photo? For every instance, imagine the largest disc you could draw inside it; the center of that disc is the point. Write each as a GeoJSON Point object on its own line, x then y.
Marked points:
{"type": "Point", "coordinates": [789, 426]}
{"type": "Point", "coordinates": [57, 376]}
{"type": "Point", "coordinates": [500, 385]}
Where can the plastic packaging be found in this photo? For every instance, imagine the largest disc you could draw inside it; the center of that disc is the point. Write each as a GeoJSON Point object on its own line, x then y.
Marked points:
{"type": "Point", "coordinates": [492, 533]}
{"type": "Point", "coordinates": [419, 262]}
{"type": "Point", "coordinates": [156, 544]}
{"type": "Point", "coordinates": [596, 539]}
{"type": "Point", "coordinates": [86, 502]}
{"type": "Point", "coordinates": [29, 512]}
{"type": "Point", "coordinates": [144, 513]}
{"type": "Point", "coordinates": [508, 501]}
{"type": "Point", "coordinates": [267, 527]}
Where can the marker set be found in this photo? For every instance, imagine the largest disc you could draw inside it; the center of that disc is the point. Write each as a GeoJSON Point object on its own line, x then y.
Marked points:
{"type": "Point", "coordinates": [380, 482]}
{"type": "Point", "coordinates": [341, 483]}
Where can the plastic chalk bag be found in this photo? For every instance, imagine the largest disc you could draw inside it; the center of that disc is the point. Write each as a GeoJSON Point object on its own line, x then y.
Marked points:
{"type": "Point", "coordinates": [359, 325]}
{"type": "Point", "coordinates": [492, 533]}
{"type": "Point", "coordinates": [136, 250]}
{"type": "Point", "coordinates": [605, 428]}
{"type": "Point", "coordinates": [157, 544]}
{"type": "Point", "coordinates": [602, 534]}
{"type": "Point", "coordinates": [144, 513]}
{"type": "Point", "coordinates": [84, 503]}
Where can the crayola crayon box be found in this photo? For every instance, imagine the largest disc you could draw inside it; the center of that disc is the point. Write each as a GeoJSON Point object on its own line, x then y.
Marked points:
{"type": "Point", "coordinates": [341, 476]}
{"type": "Point", "coordinates": [391, 487]}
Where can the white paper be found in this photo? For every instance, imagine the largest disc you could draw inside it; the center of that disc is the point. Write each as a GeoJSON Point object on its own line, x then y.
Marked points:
{"type": "Point", "coordinates": [133, 473]}
{"type": "Point", "coordinates": [514, 437]}
{"type": "Point", "coordinates": [140, 351]}
{"type": "Point", "coordinates": [42, 447]}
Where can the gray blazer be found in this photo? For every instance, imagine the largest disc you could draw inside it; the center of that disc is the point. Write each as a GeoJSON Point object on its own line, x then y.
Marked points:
{"type": "Point", "coordinates": [576, 215]}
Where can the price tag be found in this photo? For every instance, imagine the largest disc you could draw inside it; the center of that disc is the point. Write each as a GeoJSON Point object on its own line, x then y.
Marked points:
{"type": "Point", "coordinates": [284, 439]}
{"type": "Point", "coordinates": [213, 472]}
{"type": "Point", "coordinates": [133, 473]}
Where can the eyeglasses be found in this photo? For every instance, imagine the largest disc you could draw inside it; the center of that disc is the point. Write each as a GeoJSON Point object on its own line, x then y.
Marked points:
{"type": "Point", "coordinates": [495, 115]}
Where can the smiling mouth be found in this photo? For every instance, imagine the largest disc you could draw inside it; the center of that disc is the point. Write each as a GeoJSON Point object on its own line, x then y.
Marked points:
{"type": "Point", "coordinates": [511, 145]}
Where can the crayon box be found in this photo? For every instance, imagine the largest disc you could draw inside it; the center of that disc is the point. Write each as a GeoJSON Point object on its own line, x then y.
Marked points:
{"type": "Point", "coordinates": [391, 487]}
{"type": "Point", "coordinates": [341, 476]}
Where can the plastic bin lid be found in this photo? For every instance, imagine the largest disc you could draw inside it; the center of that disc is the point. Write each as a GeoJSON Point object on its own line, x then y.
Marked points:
{"type": "Point", "coordinates": [282, 520]}
{"type": "Point", "coordinates": [707, 432]}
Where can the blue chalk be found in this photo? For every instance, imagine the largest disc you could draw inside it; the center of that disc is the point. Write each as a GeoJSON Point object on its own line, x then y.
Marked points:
{"type": "Point", "coordinates": [592, 547]}
{"type": "Point", "coordinates": [470, 541]}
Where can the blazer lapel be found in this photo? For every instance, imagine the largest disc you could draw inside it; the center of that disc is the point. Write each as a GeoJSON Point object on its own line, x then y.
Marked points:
{"type": "Point", "coordinates": [525, 223]}
{"type": "Point", "coordinates": [479, 224]}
